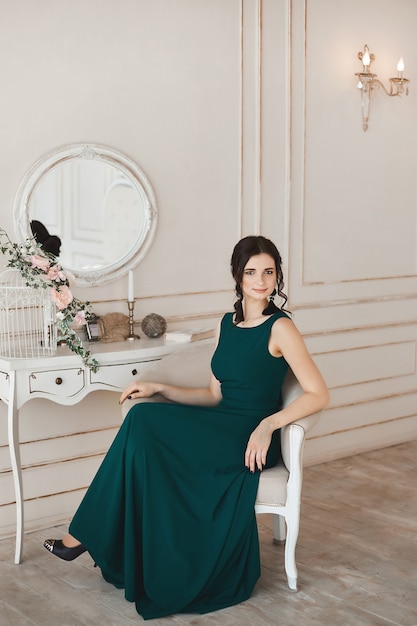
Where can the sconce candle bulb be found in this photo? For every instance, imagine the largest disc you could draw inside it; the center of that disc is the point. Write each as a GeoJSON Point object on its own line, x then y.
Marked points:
{"type": "Point", "coordinates": [366, 59]}
{"type": "Point", "coordinates": [400, 67]}
{"type": "Point", "coordinates": [368, 82]}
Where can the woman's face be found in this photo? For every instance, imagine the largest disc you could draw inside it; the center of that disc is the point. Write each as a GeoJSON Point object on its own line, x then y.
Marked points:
{"type": "Point", "coordinates": [259, 277]}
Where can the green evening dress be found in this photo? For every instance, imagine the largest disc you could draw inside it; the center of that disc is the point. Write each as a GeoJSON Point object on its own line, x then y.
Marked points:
{"type": "Point", "coordinates": [169, 516]}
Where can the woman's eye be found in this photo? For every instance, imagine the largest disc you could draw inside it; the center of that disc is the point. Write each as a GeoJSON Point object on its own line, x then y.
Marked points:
{"type": "Point", "coordinates": [249, 272]}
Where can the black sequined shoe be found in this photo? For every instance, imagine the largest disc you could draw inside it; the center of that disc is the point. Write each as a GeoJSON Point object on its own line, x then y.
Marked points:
{"type": "Point", "coordinates": [63, 552]}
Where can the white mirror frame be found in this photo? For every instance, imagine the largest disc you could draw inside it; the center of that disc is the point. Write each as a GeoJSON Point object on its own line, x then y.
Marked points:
{"type": "Point", "coordinates": [111, 157]}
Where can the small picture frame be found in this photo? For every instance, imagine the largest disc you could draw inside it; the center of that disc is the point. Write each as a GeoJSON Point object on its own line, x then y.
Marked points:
{"type": "Point", "coordinates": [94, 329]}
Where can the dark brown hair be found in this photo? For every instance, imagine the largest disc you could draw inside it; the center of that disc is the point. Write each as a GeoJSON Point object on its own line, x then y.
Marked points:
{"type": "Point", "coordinates": [245, 249]}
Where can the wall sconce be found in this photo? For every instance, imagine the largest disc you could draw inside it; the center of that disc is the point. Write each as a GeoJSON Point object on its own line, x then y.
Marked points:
{"type": "Point", "coordinates": [368, 82]}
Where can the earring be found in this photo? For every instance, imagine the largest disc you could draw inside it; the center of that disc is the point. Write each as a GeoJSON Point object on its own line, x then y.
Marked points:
{"type": "Point", "coordinates": [272, 307]}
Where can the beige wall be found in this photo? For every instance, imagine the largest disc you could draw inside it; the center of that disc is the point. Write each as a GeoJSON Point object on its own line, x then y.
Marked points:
{"type": "Point", "coordinates": [245, 117]}
{"type": "Point", "coordinates": [353, 221]}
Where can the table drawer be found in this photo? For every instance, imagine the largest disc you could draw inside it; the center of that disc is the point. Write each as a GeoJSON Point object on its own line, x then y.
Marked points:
{"type": "Point", "coordinates": [119, 376]}
{"type": "Point", "coordinates": [60, 383]}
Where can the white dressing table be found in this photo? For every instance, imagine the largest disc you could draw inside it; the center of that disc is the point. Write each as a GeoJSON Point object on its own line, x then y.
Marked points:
{"type": "Point", "coordinates": [64, 379]}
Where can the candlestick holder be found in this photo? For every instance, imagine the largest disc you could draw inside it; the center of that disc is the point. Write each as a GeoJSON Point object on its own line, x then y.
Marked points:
{"type": "Point", "coordinates": [131, 308]}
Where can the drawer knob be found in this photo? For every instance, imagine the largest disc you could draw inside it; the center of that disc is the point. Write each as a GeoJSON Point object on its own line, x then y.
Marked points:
{"type": "Point", "coordinates": [134, 372]}
{"type": "Point", "coordinates": [58, 381]}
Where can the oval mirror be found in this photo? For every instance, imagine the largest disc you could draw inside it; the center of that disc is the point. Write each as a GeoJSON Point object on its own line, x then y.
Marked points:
{"type": "Point", "coordinates": [94, 205]}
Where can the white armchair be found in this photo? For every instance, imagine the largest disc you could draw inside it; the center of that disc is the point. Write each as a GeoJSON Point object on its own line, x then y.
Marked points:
{"type": "Point", "coordinates": [279, 489]}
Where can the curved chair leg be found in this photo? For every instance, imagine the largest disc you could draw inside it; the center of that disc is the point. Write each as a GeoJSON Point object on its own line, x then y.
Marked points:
{"type": "Point", "coordinates": [290, 566]}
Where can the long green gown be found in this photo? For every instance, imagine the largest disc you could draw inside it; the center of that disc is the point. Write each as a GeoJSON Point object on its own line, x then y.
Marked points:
{"type": "Point", "coordinates": [169, 516]}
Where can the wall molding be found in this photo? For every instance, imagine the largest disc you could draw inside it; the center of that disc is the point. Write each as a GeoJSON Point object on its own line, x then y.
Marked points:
{"type": "Point", "coordinates": [306, 292]}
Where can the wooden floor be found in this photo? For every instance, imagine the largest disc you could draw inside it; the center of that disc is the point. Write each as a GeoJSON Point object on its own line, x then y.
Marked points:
{"type": "Point", "coordinates": [356, 555]}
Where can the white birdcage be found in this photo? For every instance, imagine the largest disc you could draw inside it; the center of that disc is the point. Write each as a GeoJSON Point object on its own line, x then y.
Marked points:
{"type": "Point", "coordinates": [27, 318]}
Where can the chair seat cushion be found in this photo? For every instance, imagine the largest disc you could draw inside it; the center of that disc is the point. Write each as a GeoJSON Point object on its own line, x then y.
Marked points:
{"type": "Point", "coordinates": [272, 489]}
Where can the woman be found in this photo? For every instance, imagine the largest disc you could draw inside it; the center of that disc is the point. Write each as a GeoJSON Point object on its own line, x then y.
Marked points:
{"type": "Point", "coordinates": [169, 516]}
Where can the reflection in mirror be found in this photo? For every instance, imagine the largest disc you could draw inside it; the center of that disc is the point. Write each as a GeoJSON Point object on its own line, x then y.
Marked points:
{"type": "Point", "coordinates": [97, 202]}
{"type": "Point", "coordinates": [49, 243]}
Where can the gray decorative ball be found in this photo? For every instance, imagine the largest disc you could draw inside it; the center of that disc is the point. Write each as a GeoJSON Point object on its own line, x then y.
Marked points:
{"type": "Point", "coordinates": [154, 325]}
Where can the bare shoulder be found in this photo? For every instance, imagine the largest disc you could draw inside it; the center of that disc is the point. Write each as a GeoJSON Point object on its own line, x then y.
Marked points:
{"type": "Point", "coordinates": [285, 336]}
{"type": "Point", "coordinates": [287, 341]}
{"type": "Point", "coordinates": [284, 326]}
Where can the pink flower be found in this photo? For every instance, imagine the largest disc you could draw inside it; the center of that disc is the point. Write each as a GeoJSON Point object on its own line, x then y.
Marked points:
{"type": "Point", "coordinates": [79, 319]}
{"type": "Point", "coordinates": [40, 262]}
{"type": "Point", "coordinates": [55, 273]}
{"type": "Point", "coordinates": [61, 298]}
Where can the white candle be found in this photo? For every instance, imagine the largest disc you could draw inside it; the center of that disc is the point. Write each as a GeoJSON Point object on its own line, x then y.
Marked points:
{"type": "Point", "coordinates": [130, 295]}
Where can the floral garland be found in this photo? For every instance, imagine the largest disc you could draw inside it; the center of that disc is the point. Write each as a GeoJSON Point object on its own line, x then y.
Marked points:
{"type": "Point", "coordinates": [40, 270]}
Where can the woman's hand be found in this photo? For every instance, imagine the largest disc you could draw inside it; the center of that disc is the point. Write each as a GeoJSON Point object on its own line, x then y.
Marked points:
{"type": "Point", "coordinates": [258, 445]}
{"type": "Point", "coordinates": [139, 389]}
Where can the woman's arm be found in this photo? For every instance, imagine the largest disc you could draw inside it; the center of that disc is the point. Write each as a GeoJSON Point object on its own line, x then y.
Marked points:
{"type": "Point", "coordinates": [286, 341]}
{"type": "Point", "coordinates": [203, 396]}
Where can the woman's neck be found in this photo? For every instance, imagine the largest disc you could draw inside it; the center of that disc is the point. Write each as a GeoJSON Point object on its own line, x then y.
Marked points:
{"type": "Point", "coordinates": [252, 312]}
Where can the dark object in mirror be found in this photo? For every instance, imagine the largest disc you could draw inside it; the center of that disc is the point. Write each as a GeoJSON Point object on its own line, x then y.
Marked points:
{"type": "Point", "coordinates": [94, 329]}
{"type": "Point", "coordinates": [154, 325]}
{"type": "Point", "coordinates": [48, 243]}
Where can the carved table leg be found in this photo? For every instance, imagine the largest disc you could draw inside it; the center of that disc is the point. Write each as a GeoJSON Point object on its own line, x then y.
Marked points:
{"type": "Point", "coordinates": [13, 436]}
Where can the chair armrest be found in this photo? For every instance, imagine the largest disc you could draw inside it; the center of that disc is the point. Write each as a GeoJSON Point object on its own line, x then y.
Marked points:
{"type": "Point", "coordinates": [292, 445]}
{"type": "Point", "coordinates": [293, 435]}
{"type": "Point", "coordinates": [302, 425]}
